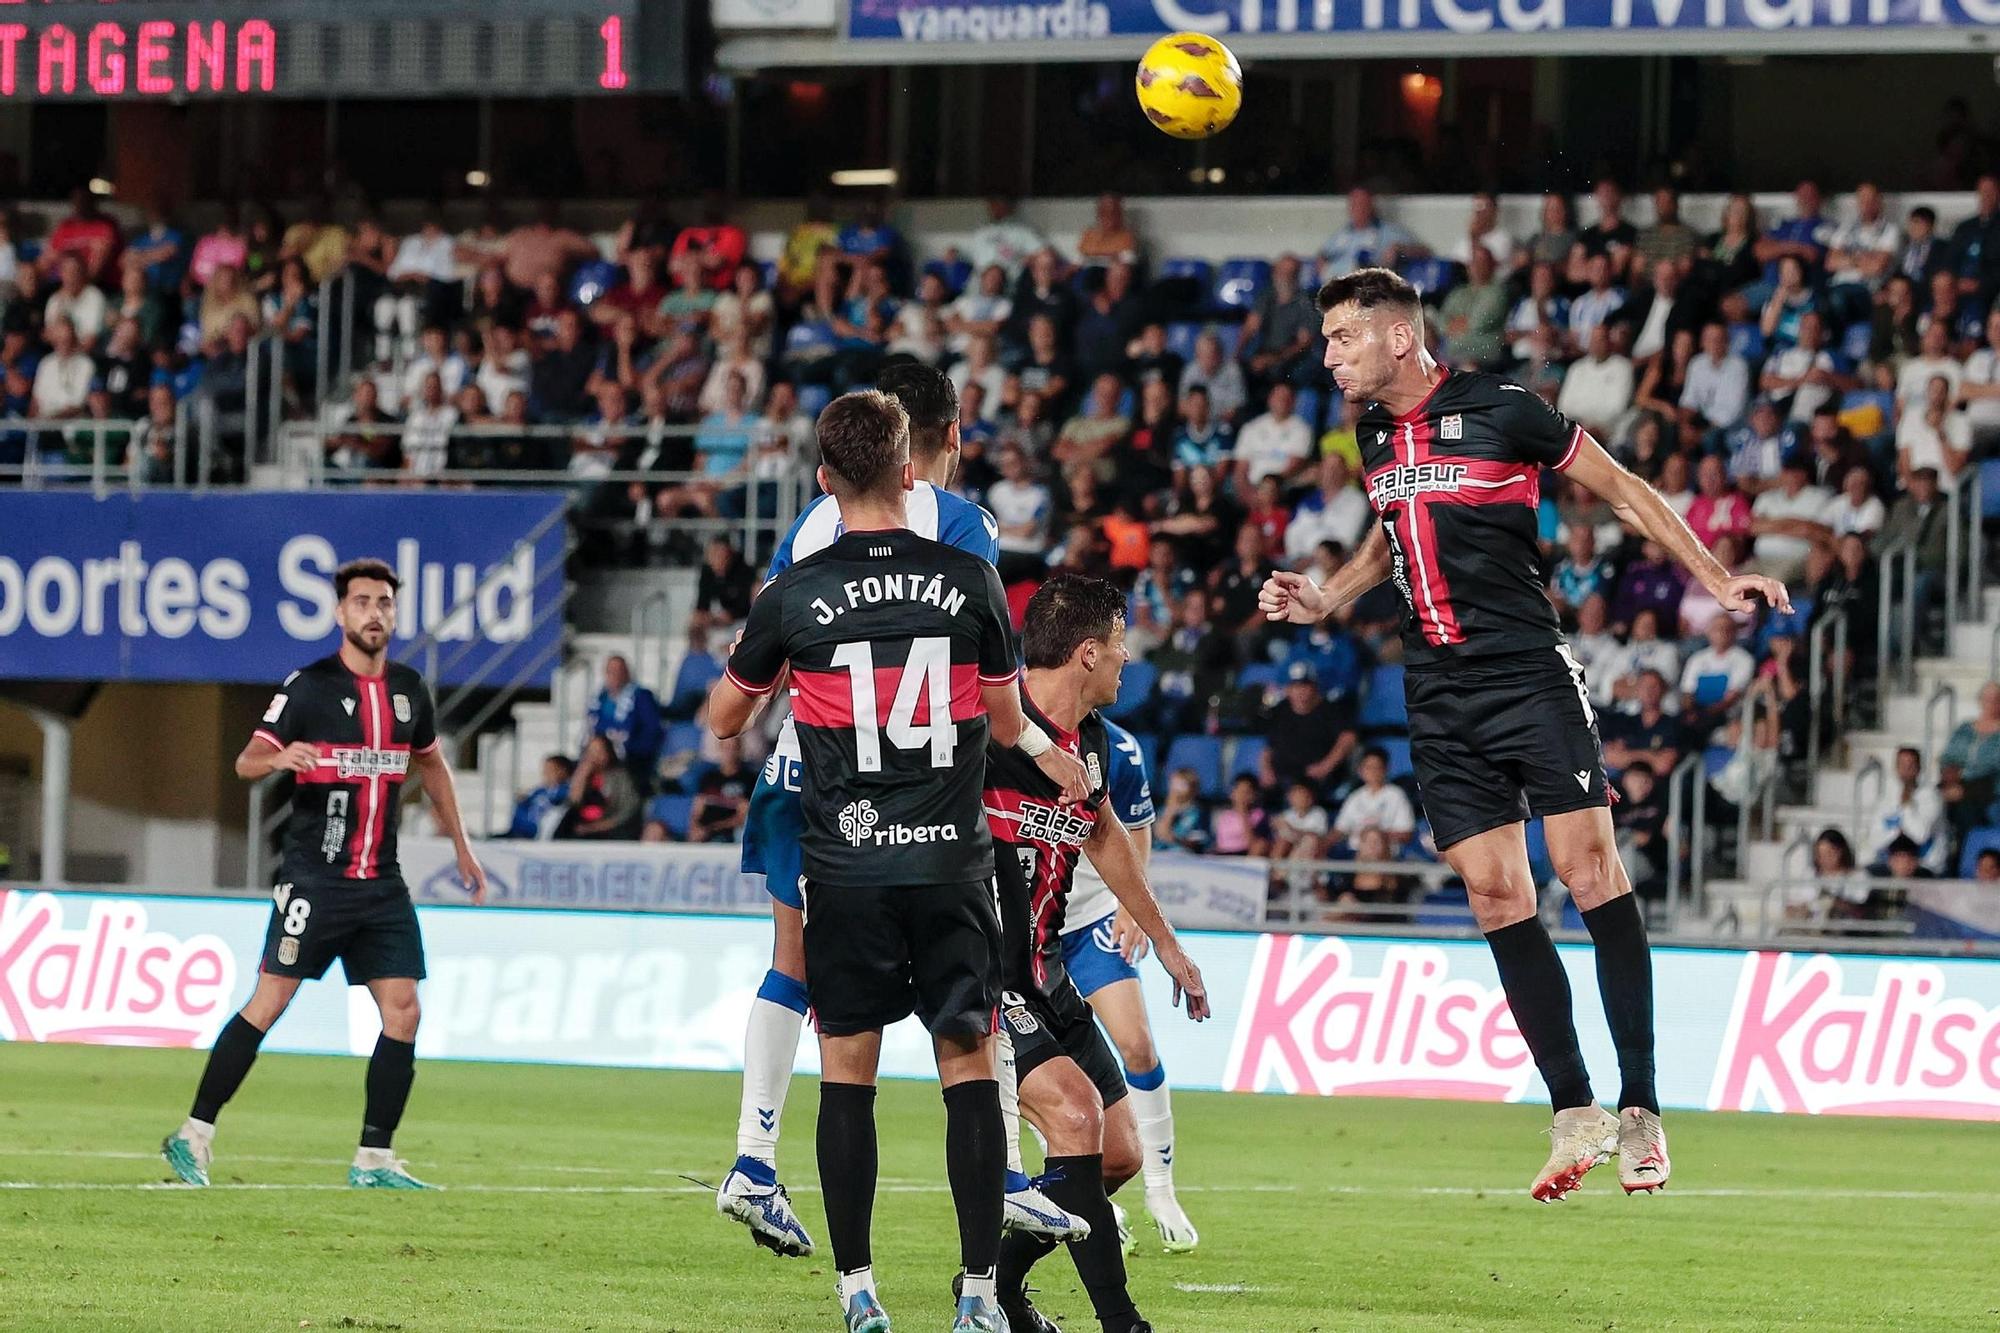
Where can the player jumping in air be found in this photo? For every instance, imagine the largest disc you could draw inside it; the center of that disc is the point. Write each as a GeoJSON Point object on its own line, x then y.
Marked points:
{"type": "Point", "coordinates": [1070, 1083]}
{"type": "Point", "coordinates": [750, 1192]}
{"type": "Point", "coordinates": [902, 662]}
{"type": "Point", "coordinates": [1501, 724]}
{"type": "Point", "coordinates": [348, 729]}
{"type": "Point", "coordinates": [1101, 947]}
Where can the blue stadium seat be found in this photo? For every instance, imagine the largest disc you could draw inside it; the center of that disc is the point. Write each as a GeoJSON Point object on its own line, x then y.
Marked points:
{"type": "Point", "coordinates": [1248, 756]}
{"type": "Point", "coordinates": [813, 398]}
{"type": "Point", "coordinates": [1239, 281]}
{"type": "Point", "coordinates": [1989, 488]}
{"type": "Point", "coordinates": [1398, 748]}
{"type": "Point", "coordinates": [955, 272]}
{"type": "Point", "coordinates": [1149, 751]}
{"type": "Point", "coordinates": [809, 337]}
{"type": "Point", "coordinates": [1180, 338]}
{"type": "Point", "coordinates": [593, 280]}
{"type": "Point", "coordinates": [1258, 676]}
{"type": "Point", "coordinates": [1442, 907]}
{"type": "Point", "coordinates": [673, 811]}
{"type": "Point", "coordinates": [1432, 276]}
{"type": "Point", "coordinates": [1203, 754]}
{"type": "Point", "coordinates": [698, 671]}
{"type": "Point", "coordinates": [1311, 404]}
{"type": "Point", "coordinates": [1715, 758]}
{"type": "Point", "coordinates": [682, 738]}
{"type": "Point", "coordinates": [1382, 701]}
{"type": "Point", "coordinates": [1135, 687]}
{"type": "Point", "coordinates": [1128, 404]}
{"type": "Point", "coordinates": [1231, 335]}
{"type": "Point", "coordinates": [1309, 275]}
{"type": "Point", "coordinates": [1854, 342]}
{"type": "Point", "coordinates": [1539, 864]}
{"type": "Point", "coordinates": [1199, 271]}
{"type": "Point", "coordinates": [767, 274]}
{"type": "Point", "coordinates": [1977, 841]}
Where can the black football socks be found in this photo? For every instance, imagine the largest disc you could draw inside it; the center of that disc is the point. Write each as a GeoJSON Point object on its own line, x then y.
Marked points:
{"type": "Point", "coordinates": [229, 1060]}
{"type": "Point", "coordinates": [391, 1071]}
{"type": "Point", "coordinates": [847, 1169]}
{"type": "Point", "coordinates": [975, 1156]}
{"type": "Point", "coordinates": [1076, 1184]}
{"type": "Point", "coordinates": [1625, 981]}
{"type": "Point", "coordinates": [1531, 972]}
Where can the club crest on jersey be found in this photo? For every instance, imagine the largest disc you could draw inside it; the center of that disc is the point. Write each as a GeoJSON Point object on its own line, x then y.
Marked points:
{"type": "Point", "coordinates": [858, 820]}
{"type": "Point", "coordinates": [288, 951]}
{"type": "Point", "coordinates": [277, 708]}
{"type": "Point", "coordinates": [401, 703]}
{"type": "Point", "coordinates": [1094, 769]}
{"type": "Point", "coordinates": [1452, 427]}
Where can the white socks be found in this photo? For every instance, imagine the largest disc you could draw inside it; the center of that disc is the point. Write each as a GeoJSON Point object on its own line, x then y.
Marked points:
{"type": "Point", "coordinates": [370, 1159]}
{"type": "Point", "coordinates": [861, 1279]}
{"type": "Point", "coordinates": [1154, 1110]}
{"type": "Point", "coordinates": [198, 1131]}
{"type": "Point", "coordinates": [770, 1047]}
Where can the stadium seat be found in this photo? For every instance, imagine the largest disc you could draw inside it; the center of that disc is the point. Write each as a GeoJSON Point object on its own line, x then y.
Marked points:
{"type": "Point", "coordinates": [592, 280]}
{"type": "Point", "coordinates": [673, 811]}
{"type": "Point", "coordinates": [1854, 342]}
{"type": "Point", "coordinates": [1715, 758]}
{"type": "Point", "coordinates": [1186, 267]}
{"type": "Point", "coordinates": [767, 274]}
{"type": "Point", "coordinates": [1181, 335]}
{"type": "Point", "coordinates": [1310, 405]}
{"type": "Point", "coordinates": [1398, 749]}
{"type": "Point", "coordinates": [1989, 488]}
{"type": "Point", "coordinates": [1539, 864]}
{"type": "Point", "coordinates": [1977, 841]}
{"type": "Point", "coordinates": [813, 399]}
{"type": "Point", "coordinates": [1203, 754]}
{"type": "Point", "coordinates": [1149, 751]}
{"type": "Point", "coordinates": [1135, 687]}
{"type": "Point", "coordinates": [698, 671]}
{"type": "Point", "coordinates": [955, 272]}
{"type": "Point", "coordinates": [1247, 757]}
{"type": "Point", "coordinates": [1432, 276]}
{"type": "Point", "coordinates": [809, 338]}
{"type": "Point", "coordinates": [1309, 276]}
{"type": "Point", "coordinates": [1238, 283]}
{"type": "Point", "coordinates": [682, 738]}
{"type": "Point", "coordinates": [1382, 702]}
{"type": "Point", "coordinates": [1258, 676]}
{"type": "Point", "coordinates": [1230, 334]}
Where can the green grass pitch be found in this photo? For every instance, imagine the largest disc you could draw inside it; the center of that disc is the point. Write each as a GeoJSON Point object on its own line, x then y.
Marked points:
{"type": "Point", "coordinates": [566, 1210]}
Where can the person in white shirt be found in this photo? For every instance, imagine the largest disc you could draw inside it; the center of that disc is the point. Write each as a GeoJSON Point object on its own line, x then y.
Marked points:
{"type": "Point", "coordinates": [1377, 803]}
{"type": "Point", "coordinates": [1597, 389]}
{"type": "Point", "coordinates": [77, 301]}
{"type": "Point", "coordinates": [1979, 386]}
{"type": "Point", "coordinates": [1483, 229]}
{"type": "Point", "coordinates": [1274, 444]}
{"type": "Point", "coordinates": [62, 380]}
{"type": "Point", "coordinates": [732, 358]}
{"type": "Point", "coordinates": [427, 429]}
{"type": "Point", "coordinates": [1913, 380]}
{"type": "Point", "coordinates": [980, 310]}
{"type": "Point", "coordinates": [1857, 509]}
{"type": "Point", "coordinates": [1861, 253]}
{"type": "Point", "coordinates": [503, 371]}
{"type": "Point", "coordinates": [1786, 520]}
{"type": "Point", "coordinates": [1221, 377]}
{"type": "Point", "coordinates": [434, 357]}
{"type": "Point", "coordinates": [1804, 372]}
{"type": "Point", "coordinates": [1715, 676]}
{"type": "Point", "coordinates": [1934, 436]}
{"type": "Point", "coordinates": [1618, 682]}
{"type": "Point", "coordinates": [1022, 507]}
{"type": "Point", "coordinates": [1718, 384]}
{"type": "Point", "coordinates": [423, 274]}
{"type": "Point", "coordinates": [1595, 306]}
{"type": "Point", "coordinates": [1912, 810]}
{"type": "Point", "coordinates": [982, 366]}
{"type": "Point", "coordinates": [1004, 239]}
{"type": "Point", "coordinates": [1336, 512]}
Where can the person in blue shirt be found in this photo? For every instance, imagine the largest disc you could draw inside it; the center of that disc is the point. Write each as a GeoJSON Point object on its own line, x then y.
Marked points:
{"type": "Point", "coordinates": [1802, 236]}
{"type": "Point", "coordinates": [1101, 949]}
{"type": "Point", "coordinates": [750, 1193]}
{"type": "Point", "coordinates": [627, 714]}
{"type": "Point", "coordinates": [532, 813]}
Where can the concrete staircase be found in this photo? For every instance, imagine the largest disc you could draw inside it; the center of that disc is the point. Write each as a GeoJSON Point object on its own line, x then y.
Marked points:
{"type": "Point", "coordinates": [1849, 785]}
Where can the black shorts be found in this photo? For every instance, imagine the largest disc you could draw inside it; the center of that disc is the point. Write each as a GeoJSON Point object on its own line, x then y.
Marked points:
{"type": "Point", "coordinates": [1495, 739]}
{"type": "Point", "coordinates": [1042, 1028]}
{"type": "Point", "coordinates": [878, 954]}
{"type": "Point", "coordinates": [369, 925]}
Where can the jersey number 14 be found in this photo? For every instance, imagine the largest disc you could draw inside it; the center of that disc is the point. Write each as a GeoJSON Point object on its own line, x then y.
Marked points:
{"type": "Point", "coordinates": [926, 675]}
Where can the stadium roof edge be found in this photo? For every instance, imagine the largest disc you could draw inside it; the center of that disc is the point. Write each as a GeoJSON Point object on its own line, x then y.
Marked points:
{"type": "Point", "coordinates": [747, 53]}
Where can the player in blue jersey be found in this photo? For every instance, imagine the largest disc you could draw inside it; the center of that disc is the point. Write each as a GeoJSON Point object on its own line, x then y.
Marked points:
{"type": "Point", "coordinates": [750, 1193]}
{"type": "Point", "coordinates": [1100, 947]}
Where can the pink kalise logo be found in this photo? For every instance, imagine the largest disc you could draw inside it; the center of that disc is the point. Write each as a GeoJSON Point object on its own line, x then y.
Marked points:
{"type": "Point", "coordinates": [111, 980]}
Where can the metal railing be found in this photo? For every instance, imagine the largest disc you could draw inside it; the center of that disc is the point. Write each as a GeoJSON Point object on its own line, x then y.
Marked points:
{"type": "Point", "coordinates": [36, 470]}
{"type": "Point", "coordinates": [1299, 905]}
{"type": "Point", "coordinates": [1828, 699]}
{"type": "Point", "coordinates": [1859, 806]}
{"type": "Point", "coordinates": [1895, 654]}
{"type": "Point", "coordinates": [1946, 693]}
{"type": "Point", "coordinates": [1763, 791]}
{"type": "Point", "coordinates": [649, 643]}
{"type": "Point", "coordinates": [1816, 896]}
{"type": "Point", "coordinates": [1687, 789]}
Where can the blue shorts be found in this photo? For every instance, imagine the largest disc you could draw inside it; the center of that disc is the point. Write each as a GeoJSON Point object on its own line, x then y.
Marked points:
{"type": "Point", "coordinates": [771, 834]}
{"type": "Point", "coordinates": [1092, 958]}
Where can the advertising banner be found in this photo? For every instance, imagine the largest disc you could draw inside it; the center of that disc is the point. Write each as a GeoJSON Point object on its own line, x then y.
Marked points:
{"type": "Point", "coordinates": [971, 21]}
{"type": "Point", "coordinates": [735, 15]}
{"type": "Point", "coordinates": [1813, 1034]}
{"type": "Point", "coordinates": [239, 587]}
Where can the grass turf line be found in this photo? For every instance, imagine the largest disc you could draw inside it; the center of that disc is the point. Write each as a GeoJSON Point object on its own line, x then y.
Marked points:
{"type": "Point", "coordinates": [1313, 1214]}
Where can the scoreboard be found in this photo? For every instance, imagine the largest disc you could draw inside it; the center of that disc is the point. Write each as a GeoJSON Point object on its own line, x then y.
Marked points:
{"type": "Point", "coordinates": [86, 50]}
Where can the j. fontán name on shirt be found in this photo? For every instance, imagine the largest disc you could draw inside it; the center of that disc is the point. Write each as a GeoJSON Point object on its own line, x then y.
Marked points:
{"type": "Point", "coordinates": [930, 589]}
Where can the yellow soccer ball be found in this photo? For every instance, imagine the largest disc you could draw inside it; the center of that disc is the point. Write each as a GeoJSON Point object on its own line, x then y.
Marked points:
{"type": "Point", "coordinates": [1190, 85]}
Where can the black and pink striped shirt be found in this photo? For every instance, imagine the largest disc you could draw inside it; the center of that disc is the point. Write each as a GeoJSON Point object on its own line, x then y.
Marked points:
{"type": "Point", "coordinates": [345, 809]}
{"type": "Point", "coordinates": [1457, 484]}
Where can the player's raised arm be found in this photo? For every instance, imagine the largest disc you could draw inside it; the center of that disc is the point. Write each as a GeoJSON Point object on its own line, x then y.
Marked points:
{"type": "Point", "coordinates": [1641, 507]}
{"type": "Point", "coordinates": [1109, 848]}
{"type": "Point", "coordinates": [1295, 597]}
{"type": "Point", "coordinates": [756, 662]}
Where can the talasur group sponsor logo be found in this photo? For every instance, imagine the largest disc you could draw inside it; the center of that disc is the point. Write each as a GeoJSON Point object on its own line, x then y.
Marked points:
{"type": "Point", "coordinates": [1313, 1023]}
{"type": "Point", "coordinates": [111, 980]}
{"type": "Point", "coordinates": [1798, 1041]}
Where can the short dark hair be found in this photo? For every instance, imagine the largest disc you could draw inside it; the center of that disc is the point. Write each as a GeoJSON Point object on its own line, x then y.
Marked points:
{"type": "Point", "coordinates": [1375, 752]}
{"type": "Point", "coordinates": [930, 398]}
{"type": "Point", "coordinates": [379, 570]}
{"type": "Point", "coordinates": [864, 438]}
{"type": "Point", "coordinates": [1926, 212]}
{"type": "Point", "coordinates": [1068, 610]}
{"type": "Point", "coordinates": [1369, 288]}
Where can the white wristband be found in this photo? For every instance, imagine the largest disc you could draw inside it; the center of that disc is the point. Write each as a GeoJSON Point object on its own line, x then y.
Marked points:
{"type": "Point", "coordinates": [1034, 742]}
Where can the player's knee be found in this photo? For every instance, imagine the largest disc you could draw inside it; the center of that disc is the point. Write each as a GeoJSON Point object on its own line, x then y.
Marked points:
{"type": "Point", "coordinates": [1589, 874]}
{"type": "Point", "coordinates": [400, 1015]}
{"type": "Point", "coordinates": [1499, 886]}
{"type": "Point", "coordinates": [1075, 1126]}
{"type": "Point", "coordinates": [1136, 1050]}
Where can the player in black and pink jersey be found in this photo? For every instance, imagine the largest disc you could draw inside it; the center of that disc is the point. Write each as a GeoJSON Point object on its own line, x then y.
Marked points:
{"type": "Point", "coordinates": [901, 659]}
{"type": "Point", "coordinates": [348, 730]}
{"type": "Point", "coordinates": [1501, 724]}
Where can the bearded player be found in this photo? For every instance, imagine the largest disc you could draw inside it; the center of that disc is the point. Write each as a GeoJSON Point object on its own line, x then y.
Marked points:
{"type": "Point", "coordinates": [1501, 724]}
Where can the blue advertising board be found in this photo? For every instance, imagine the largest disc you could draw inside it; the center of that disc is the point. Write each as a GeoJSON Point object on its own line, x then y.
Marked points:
{"type": "Point", "coordinates": [931, 21]}
{"type": "Point", "coordinates": [235, 587]}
